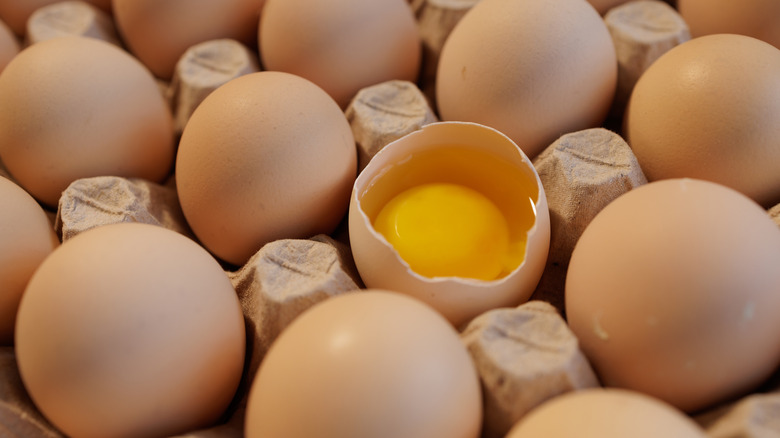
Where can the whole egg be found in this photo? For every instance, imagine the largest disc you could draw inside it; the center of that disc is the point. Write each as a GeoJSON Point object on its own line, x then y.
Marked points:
{"type": "Point", "coordinates": [533, 69]}
{"type": "Point", "coordinates": [710, 109]}
{"type": "Point", "coordinates": [672, 291]}
{"type": "Point", "coordinates": [757, 18]}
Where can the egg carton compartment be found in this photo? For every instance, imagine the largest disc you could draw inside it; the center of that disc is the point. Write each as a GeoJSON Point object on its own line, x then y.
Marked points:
{"type": "Point", "coordinates": [524, 355]}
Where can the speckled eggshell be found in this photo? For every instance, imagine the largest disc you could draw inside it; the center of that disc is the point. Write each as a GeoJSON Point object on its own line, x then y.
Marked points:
{"type": "Point", "coordinates": [757, 18]}
{"type": "Point", "coordinates": [267, 156]}
{"type": "Point", "coordinates": [532, 69]}
{"type": "Point", "coordinates": [16, 12]}
{"type": "Point", "coordinates": [605, 413]}
{"type": "Point", "coordinates": [76, 107]}
{"type": "Point", "coordinates": [130, 330]}
{"type": "Point", "coordinates": [341, 45]}
{"type": "Point", "coordinates": [672, 291]}
{"type": "Point", "coordinates": [710, 109]}
{"type": "Point", "coordinates": [365, 364]}
{"type": "Point", "coordinates": [26, 238]}
{"type": "Point", "coordinates": [158, 32]}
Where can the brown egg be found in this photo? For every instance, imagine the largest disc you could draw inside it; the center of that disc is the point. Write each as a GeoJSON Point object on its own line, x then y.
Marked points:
{"type": "Point", "coordinates": [266, 156]}
{"type": "Point", "coordinates": [366, 364]}
{"type": "Point", "coordinates": [16, 12]}
{"type": "Point", "coordinates": [9, 45]}
{"type": "Point", "coordinates": [672, 291]}
{"type": "Point", "coordinates": [130, 330]}
{"type": "Point", "coordinates": [710, 109]}
{"type": "Point", "coordinates": [532, 69]}
{"type": "Point", "coordinates": [76, 107]}
{"type": "Point", "coordinates": [341, 45]}
{"type": "Point", "coordinates": [605, 413]}
{"type": "Point", "coordinates": [756, 18]}
{"type": "Point", "coordinates": [158, 32]}
{"type": "Point", "coordinates": [26, 238]}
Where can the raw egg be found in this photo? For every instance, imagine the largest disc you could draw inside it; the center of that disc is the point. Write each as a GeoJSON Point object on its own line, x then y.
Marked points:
{"type": "Point", "coordinates": [267, 156]}
{"type": "Point", "coordinates": [606, 413]}
{"type": "Point", "coordinates": [710, 109]}
{"type": "Point", "coordinates": [75, 107]}
{"type": "Point", "coordinates": [365, 364]}
{"type": "Point", "coordinates": [341, 45]}
{"type": "Point", "coordinates": [533, 69]}
{"type": "Point", "coordinates": [130, 330]}
{"type": "Point", "coordinates": [9, 45]}
{"type": "Point", "coordinates": [158, 32]}
{"type": "Point", "coordinates": [672, 291]}
{"type": "Point", "coordinates": [26, 238]}
{"type": "Point", "coordinates": [453, 214]}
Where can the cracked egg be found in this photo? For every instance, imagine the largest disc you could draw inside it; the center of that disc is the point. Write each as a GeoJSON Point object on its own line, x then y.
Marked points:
{"type": "Point", "coordinates": [453, 214]}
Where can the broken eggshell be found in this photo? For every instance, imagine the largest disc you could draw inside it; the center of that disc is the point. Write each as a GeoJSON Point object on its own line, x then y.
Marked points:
{"type": "Point", "coordinates": [469, 154]}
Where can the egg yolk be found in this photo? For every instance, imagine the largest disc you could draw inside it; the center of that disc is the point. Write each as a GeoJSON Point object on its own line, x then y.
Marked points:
{"type": "Point", "coordinates": [446, 230]}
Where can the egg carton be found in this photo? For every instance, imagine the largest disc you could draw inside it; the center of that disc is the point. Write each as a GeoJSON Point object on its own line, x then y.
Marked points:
{"type": "Point", "coordinates": [524, 355]}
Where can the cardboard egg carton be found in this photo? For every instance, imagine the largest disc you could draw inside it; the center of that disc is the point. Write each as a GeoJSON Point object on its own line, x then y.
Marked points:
{"type": "Point", "coordinates": [524, 355]}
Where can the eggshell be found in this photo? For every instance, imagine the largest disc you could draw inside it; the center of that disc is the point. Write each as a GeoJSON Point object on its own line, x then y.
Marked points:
{"type": "Point", "coordinates": [26, 238]}
{"type": "Point", "coordinates": [130, 330]}
{"type": "Point", "coordinates": [75, 107]}
{"type": "Point", "coordinates": [16, 12]}
{"type": "Point", "coordinates": [268, 155]}
{"type": "Point", "coordinates": [756, 18]}
{"type": "Point", "coordinates": [9, 45]}
{"type": "Point", "coordinates": [366, 364]}
{"type": "Point", "coordinates": [341, 45]}
{"type": "Point", "coordinates": [513, 180]}
{"type": "Point", "coordinates": [603, 6]}
{"type": "Point", "coordinates": [672, 291]}
{"type": "Point", "coordinates": [710, 109]}
{"type": "Point", "coordinates": [532, 69]}
{"type": "Point", "coordinates": [158, 32]}
{"type": "Point", "coordinates": [605, 413]}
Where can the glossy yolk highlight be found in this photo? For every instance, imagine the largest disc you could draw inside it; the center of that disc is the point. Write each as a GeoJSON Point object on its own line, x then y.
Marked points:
{"type": "Point", "coordinates": [446, 230]}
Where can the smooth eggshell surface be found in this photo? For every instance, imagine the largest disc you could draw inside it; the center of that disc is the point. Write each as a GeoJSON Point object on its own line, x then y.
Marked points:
{"type": "Point", "coordinates": [605, 413]}
{"type": "Point", "coordinates": [26, 238]}
{"type": "Point", "coordinates": [266, 156]}
{"type": "Point", "coordinates": [672, 291]}
{"type": "Point", "coordinates": [532, 69]}
{"type": "Point", "coordinates": [158, 32]}
{"type": "Point", "coordinates": [130, 330]}
{"type": "Point", "coordinates": [366, 364]}
{"type": "Point", "coordinates": [710, 109]}
{"type": "Point", "coordinates": [76, 107]}
{"type": "Point", "coordinates": [757, 18]}
{"type": "Point", "coordinates": [16, 12]}
{"type": "Point", "coordinates": [513, 181]}
{"type": "Point", "coordinates": [341, 45]}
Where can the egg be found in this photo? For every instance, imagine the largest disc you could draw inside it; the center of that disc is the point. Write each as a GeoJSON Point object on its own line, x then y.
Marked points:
{"type": "Point", "coordinates": [532, 69]}
{"type": "Point", "coordinates": [26, 238]}
{"type": "Point", "coordinates": [16, 12]}
{"type": "Point", "coordinates": [755, 18]}
{"type": "Point", "coordinates": [603, 6]}
{"type": "Point", "coordinates": [76, 107]}
{"type": "Point", "coordinates": [366, 364]}
{"type": "Point", "coordinates": [158, 32]}
{"type": "Point", "coordinates": [266, 156]}
{"type": "Point", "coordinates": [453, 214]}
{"type": "Point", "coordinates": [9, 45]}
{"type": "Point", "coordinates": [605, 413]}
{"type": "Point", "coordinates": [341, 45]}
{"type": "Point", "coordinates": [709, 109]}
{"type": "Point", "coordinates": [130, 330]}
{"type": "Point", "coordinates": [672, 291]}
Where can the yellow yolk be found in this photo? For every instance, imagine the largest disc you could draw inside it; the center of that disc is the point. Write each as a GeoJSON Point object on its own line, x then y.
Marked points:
{"type": "Point", "coordinates": [446, 230]}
